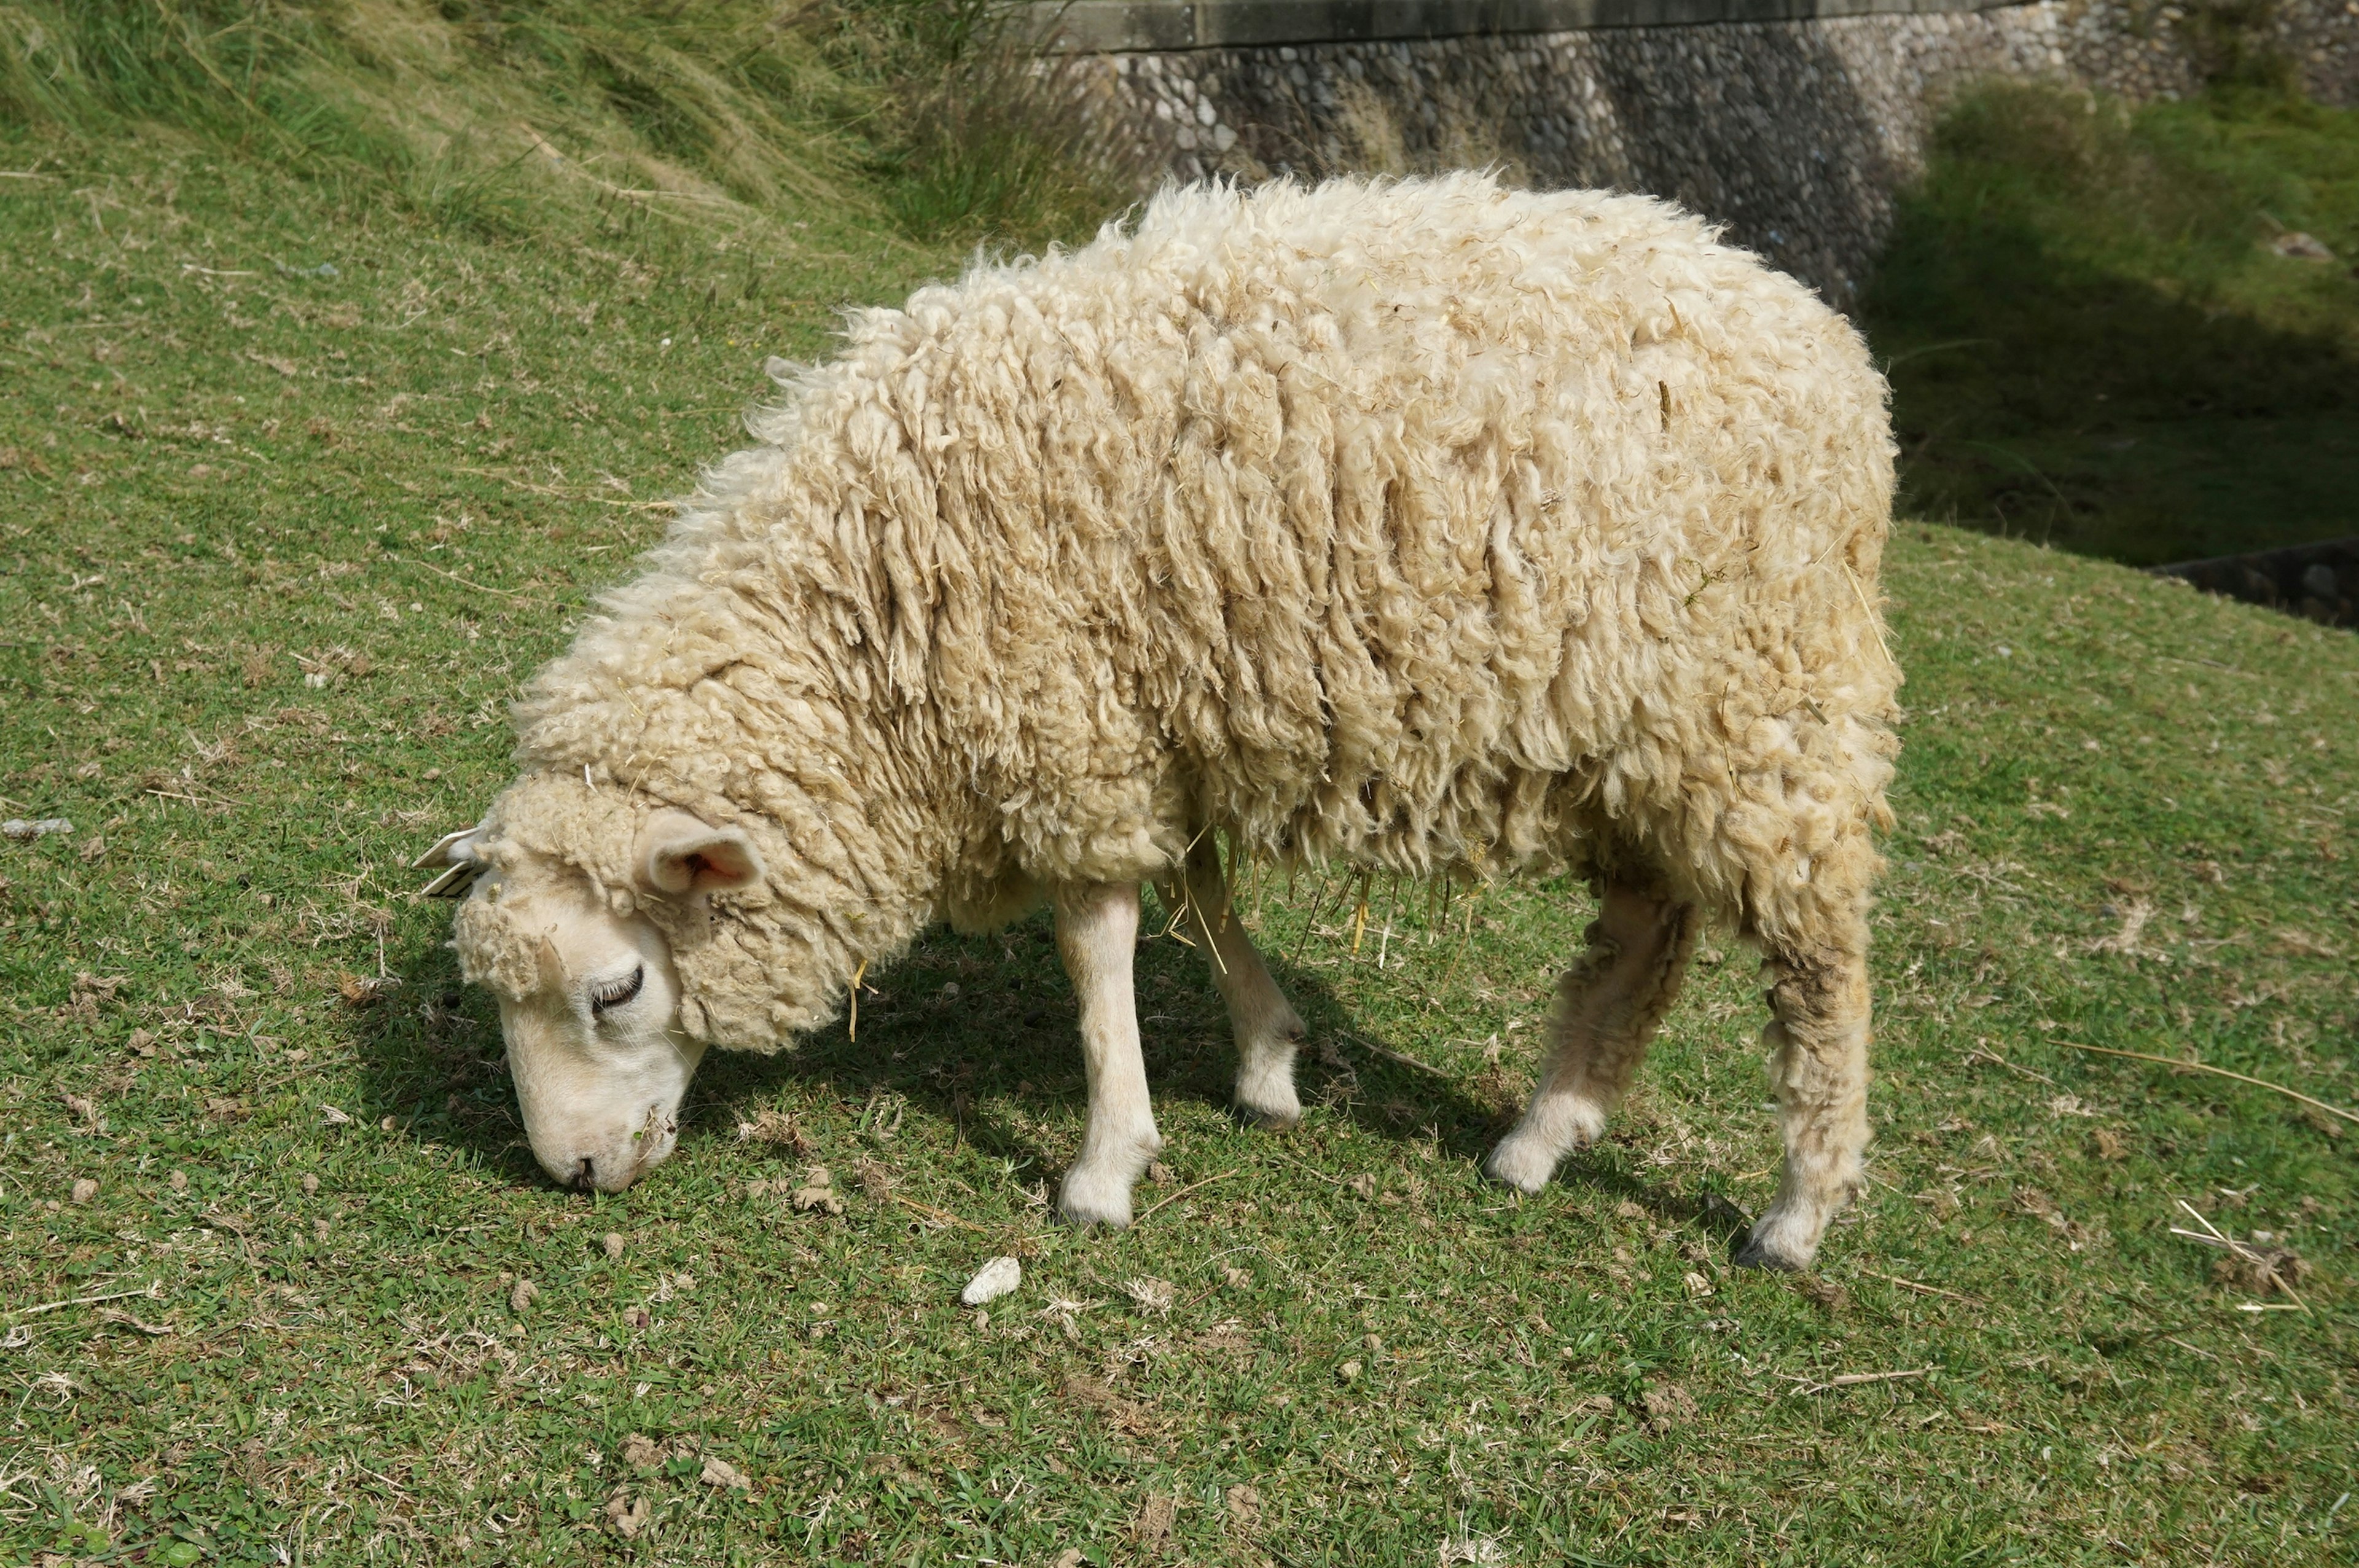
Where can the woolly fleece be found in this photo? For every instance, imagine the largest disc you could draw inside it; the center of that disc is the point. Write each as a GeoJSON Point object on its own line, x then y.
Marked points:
{"type": "Point", "coordinates": [1425, 525]}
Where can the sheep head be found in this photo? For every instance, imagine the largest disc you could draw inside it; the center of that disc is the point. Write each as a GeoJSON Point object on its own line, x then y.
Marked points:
{"type": "Point", "coordinates": [577, 947]}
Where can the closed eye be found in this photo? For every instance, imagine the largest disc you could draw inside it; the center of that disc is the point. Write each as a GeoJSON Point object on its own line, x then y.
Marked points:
{"type": "Point", "coordinates": [614, 993]}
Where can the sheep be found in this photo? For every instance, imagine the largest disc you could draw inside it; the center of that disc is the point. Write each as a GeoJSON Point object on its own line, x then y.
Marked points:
{"type": "Point", "coordinates": [1425, 526]}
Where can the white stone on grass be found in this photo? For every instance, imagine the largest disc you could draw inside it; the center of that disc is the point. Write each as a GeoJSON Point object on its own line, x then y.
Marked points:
{"type": "Point", "coordinates": [992, 1281]}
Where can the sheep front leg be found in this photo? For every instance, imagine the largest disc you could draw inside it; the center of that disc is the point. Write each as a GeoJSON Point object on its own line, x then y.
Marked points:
{"type": "Point", "coordinates": [1818, 1061]}
{"type": "Point", "coordinates": [1608, 1007]}
{"type": "Point", "coordinates": [1265, 1027]}
{"type": "Point", "coordinates": [1097, 930]}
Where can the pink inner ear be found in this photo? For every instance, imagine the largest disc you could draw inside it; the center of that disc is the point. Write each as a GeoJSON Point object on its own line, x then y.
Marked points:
{"type": "Point", "coordinates": [721, 865]}
{"type": "Point", "coordinates": [689, 858]}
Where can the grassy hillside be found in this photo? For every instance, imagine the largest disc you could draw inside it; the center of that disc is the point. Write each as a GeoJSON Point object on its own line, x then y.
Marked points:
{"type": "Point", "coordinates": [515, 118]}
{"type": "Point", "coordinates": [2131, 334]}
{"type": "Point", "coordinates": [302, 480]}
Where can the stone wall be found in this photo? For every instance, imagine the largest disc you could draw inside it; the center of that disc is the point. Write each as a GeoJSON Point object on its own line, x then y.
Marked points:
{"type": "Point", "coordinates": [1795, 133]}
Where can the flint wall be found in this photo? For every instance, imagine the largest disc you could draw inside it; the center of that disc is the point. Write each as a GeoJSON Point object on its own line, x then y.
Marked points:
{"type": "Point", "coordinates": [1794, 123]}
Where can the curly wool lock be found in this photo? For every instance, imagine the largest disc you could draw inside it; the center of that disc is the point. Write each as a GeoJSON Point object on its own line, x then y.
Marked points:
{"type": "Point", "coordinates": [1425, 525]}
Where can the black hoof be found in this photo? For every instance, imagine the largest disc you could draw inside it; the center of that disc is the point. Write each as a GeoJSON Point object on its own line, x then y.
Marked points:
{"type": "Point", "coordinates": [1262, 1122]}
{"type": "Point", "coordinates": [1753, 1255]}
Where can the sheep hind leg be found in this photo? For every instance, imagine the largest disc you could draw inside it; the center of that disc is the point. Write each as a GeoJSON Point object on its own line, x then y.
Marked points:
{"type": "Point", "coordinates": [1609, 1004]}
{"type": "Point", "coordinates": [1817, 1037]}
{"type": "Point", "coordinates": [1097, 932]}
{"type": "Point", "coordinates": [1265, 1025]}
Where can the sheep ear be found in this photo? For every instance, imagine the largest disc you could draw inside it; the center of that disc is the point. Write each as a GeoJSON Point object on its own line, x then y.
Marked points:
{"type": "Point", "coordinates": [682, 856]}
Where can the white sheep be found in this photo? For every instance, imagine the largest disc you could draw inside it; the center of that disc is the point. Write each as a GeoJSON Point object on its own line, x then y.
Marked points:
{"type": "Point", "coordinates": [1424, 526]}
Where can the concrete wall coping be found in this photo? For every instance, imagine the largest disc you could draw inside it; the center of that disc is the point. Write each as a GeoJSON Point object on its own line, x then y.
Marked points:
{"type": "Point", "coordinates": [1116, 26]}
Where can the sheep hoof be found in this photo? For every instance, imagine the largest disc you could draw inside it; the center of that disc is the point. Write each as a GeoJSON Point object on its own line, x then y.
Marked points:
{"type": "Point", "coordinates": [1269, 1121]}
{"type": "Point", "coordinates": [1094, 1219]}
{"type": "Point", "coordinates": [1268, 1103]}
{"type": "Point", "coordinates": [1757, 1254]}
{"type": "Point", "coordinates": [1090, 1200]}
{"type": "Point", "coordinates": [1522, 1164]}
{"type": "Point", "coordinates": [1265, 1092]}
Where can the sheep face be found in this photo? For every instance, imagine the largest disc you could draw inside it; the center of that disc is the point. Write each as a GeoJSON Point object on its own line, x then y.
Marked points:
{"type": "Point", "coordinates": [589, 996]}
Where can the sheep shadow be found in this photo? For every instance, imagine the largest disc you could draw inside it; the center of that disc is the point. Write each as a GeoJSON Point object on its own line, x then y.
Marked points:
{"type": "Point", "coordinates": [430, 1055]}
{"type": "Point", "coordinates": [976, 1037]}
{"type": "Point", "coordinates": [965, 1029]}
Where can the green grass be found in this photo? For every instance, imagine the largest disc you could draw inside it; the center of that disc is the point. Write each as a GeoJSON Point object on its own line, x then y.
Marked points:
{"type": "Point", "coordinates": [2093, 344]}
{"type": "Point", "coordinates": [278, 545]}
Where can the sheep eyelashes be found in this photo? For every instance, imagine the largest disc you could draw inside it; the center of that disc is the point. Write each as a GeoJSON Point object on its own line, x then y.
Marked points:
{"type": "Point", "coordinates": [1422, 526]}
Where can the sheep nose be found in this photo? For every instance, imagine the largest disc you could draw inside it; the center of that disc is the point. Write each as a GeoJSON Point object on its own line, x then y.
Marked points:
{"type": "Point", "coordinates": [586, 1178]}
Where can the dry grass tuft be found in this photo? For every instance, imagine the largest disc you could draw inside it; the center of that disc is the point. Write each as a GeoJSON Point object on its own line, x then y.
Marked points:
{"type": "Point", "coordinates": [2262, 1269]}
{"type": "Point", "coordinates": [779, 1129]}
{"type": "Point", "coordinates": [1823, 1293]}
